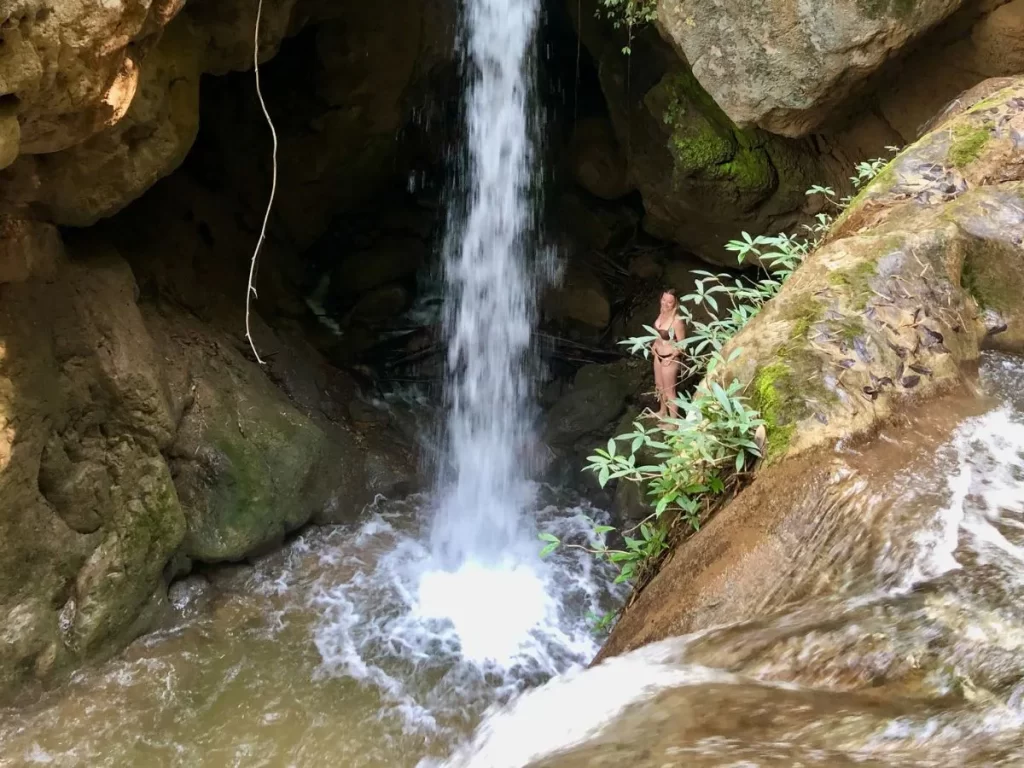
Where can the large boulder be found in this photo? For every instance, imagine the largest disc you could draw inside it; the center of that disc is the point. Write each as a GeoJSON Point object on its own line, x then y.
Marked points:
{"type": "Point", "coordinates": [99, 176]}
{"type": "Point", "coordinates": [68, 69]}
{"type": "Point", "coordinates": [597, 398]}
{"type": "Point", "coordinates": [88, 509]}
{"type": "Point", "coordinates": [924, 270]}
{"type": "Point", "coordinates": [702, 177]}
{"type": "Point", "coordinates": [785, 65]}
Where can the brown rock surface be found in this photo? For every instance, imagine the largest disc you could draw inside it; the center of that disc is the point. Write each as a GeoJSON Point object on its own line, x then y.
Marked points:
{"type": "Point", "coordinates": [785, 65]}
{"type": "Point", "coordinates": [925, 270]}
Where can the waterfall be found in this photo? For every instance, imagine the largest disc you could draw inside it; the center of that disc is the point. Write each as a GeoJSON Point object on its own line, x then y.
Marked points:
{"type": "Point", "coordinates": [490, 292]}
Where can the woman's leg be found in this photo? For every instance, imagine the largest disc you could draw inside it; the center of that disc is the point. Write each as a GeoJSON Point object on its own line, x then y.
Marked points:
{"type": "Point", "coordinates": [670, 376]}
{"type": "Point", "coordinates": [659, 387]}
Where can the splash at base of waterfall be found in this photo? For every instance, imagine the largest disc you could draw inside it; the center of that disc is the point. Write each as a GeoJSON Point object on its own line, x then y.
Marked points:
{"type": "Point", "coordinates": [441, 643]}
{"type": "Point", "coordinates": [348, 647]}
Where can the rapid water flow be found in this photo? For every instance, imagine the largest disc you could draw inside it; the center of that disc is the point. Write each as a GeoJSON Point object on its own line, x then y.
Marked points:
{"type": "Point", "coordinates": [489, 306]}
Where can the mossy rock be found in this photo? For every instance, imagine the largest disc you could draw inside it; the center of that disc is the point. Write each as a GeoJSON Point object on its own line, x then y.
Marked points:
{"type": "Point", "coordinates": [972, 148]}
{"type": "Point", "coordinates": [250, 466]}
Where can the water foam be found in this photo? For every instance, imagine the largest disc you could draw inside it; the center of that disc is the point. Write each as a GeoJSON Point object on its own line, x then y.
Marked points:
{"type": "Point", "coordinates": [440, 644]}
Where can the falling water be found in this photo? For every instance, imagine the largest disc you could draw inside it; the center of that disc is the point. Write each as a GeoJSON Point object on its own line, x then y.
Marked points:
{"type": "Point", "coordinates": [490, 298]}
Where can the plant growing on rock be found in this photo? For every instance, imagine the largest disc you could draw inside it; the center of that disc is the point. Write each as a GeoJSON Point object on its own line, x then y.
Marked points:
{"type": "Point", "coordinates": [628, 14]}
{"type": "Point", "coordinates": [689, 464]}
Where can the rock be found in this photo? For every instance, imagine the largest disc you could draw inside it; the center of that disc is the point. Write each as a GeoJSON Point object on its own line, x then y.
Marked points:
{"type": "Point", "coordinates": [581, 297]}
{"type": "Point", "coordinates": [99, 176]}
{"type": "Point", "coordinates": [785, 66]}
{"type": "Point", "coordinates": [380, 305]}
{"type": "Point", "coordinates": [41, 59]}
{"type": "Point", "coordinates": [596, 160]}
{"type": "Point", "coordinates": [594, 224]}
{"type": "Point", "coordinates": [904, 279]}
{"type": "Point", "coordinates": [225, 29]}
{"type": "Point", "coordinates": [88, 511]}
{"type": "Point", "coordinates": [28, 249]}
{"type": "Point", "coordinates": [390, 259]}
{"type": "Point", "coordinates": [248, 465]}
{"type": "Point", "coordinates": [349, 101]}
{"type": "Point", "coordinates": [990, 46]}
{"type": "Point", "coordinates": [190, 595]}
{"type": "Point", "coordinates": [703, 179]}
{"type": "Point", "coordinates": [598, 396]}
{"type": "Point", "coordinates": [646, 267]}
{"type": "Point", "coordinates": [10, 140]}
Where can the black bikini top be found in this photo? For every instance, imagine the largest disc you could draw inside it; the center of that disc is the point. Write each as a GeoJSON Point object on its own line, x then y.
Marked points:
{"type": "Point", "coordinates": [662, 333]}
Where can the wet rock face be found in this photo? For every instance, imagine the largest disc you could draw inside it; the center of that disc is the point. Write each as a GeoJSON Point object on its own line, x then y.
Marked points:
{"type": "Point", "coordinates": [703, 178]}
{"type": "Point", "coordinates": [784, 65]}
{"type": "Point", "coordinates": [89, 509]}
{"type": "Point", "coordinates": [76, 154]}
{"type": "Point", "coordinates": [133, 434]}
{"type": "Point", "coordinates": [923, 271]}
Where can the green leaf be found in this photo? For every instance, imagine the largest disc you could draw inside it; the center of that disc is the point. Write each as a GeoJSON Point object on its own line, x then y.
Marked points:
{"type": "Point", "coordinates": [548, 550]}
{"type": "Point", "coordinates": [549, 537]}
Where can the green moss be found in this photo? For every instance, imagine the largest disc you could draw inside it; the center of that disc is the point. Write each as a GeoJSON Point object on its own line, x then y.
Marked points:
{"type": "Point", "coordinates": [875, 9]}
{"type": "Point", "coordinates": [700, 150]}
{"type": "Point", "coordinates": [804, 312]}
{"type": "Point", "coordinates": [856, 281]}
{"type": "Point", "coordinates": [706, 143]}
{"type": "Point", "coordinates": [968, 141]}
{"type": "Point", "coordinates": [770, 385]}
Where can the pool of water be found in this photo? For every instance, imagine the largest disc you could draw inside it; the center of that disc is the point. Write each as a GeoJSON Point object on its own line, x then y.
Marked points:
{"type": "Point", "coordinates": [349, 647]}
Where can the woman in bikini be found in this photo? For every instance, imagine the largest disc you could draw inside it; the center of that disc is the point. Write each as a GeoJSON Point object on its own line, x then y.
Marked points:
{"type": "Point", "coordinates": [666, 349]}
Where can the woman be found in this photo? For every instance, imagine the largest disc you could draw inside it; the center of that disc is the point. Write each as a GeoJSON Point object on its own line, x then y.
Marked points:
{"type": "Point", "coordinates": [667, 352]}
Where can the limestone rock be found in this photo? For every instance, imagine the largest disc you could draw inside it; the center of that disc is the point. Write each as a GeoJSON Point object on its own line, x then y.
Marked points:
{"type": "Point", "coordinates": [785, 65]}
{"type": "Point", "coordinates": [703, 179]}
{"type": "Point", "coordinates": [101, 175]}
{"type": "Point", "coordinates": [903, 292]}
{"type": "Point", "coordinates": [993, 46]}
{"type": "Point", "coordinates": [88, 513]}
{"type": "Point", "coordinates": [28, 249]}
{"type": "Point", "coordinates": [10, 140]}
{"type": "Point", "coordinates": [66, 67]}
{"type": "Point", "coordinates": [225, 31]}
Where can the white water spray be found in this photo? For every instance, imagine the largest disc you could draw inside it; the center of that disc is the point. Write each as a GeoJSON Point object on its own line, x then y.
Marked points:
{"type": "Point", "coordinates": [445, 621]}
{"type": "Point", "coordinates": [490, 309]}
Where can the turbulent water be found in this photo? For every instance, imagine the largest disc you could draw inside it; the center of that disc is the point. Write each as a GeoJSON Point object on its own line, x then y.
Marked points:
{"type": "Point", "coordinates": [489, 308]}
{"type": "Point", "coordinates": [326, 653]}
